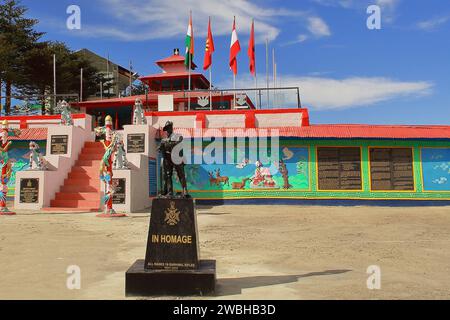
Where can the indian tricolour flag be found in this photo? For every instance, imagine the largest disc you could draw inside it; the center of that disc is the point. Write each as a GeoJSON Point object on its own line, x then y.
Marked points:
{"type": "Point", "coordinates": [189, 44]}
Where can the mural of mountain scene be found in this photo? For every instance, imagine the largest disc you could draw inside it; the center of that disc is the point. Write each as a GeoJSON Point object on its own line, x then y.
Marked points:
{"type": "Point", "coordinates": [27, 108]}
{"type": "Point", "coordinates": [290, 173]}
{"type": "Point", "coordinates": [19, 155]}
{"type": "Point", "coordinates": [436, 169]}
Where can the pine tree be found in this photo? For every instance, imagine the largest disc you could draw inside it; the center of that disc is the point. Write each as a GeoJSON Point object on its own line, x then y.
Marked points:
{"type": "Point", "coordinates": [17, 37]}
{"type": "Point", "coordinates": [39, 72]}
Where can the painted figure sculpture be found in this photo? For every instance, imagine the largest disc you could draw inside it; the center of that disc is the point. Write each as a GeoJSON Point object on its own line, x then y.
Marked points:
{"type": "Point", "coordinates": [138, 114]}
{"type": "Point", "coordinates": [166, 147]}
{"type": "Point", "coordinates": [5, 163]}
{"type": "Point", "coordinates": [106, 165]}
{"type": "Point", "coordinates": [37, 161]}
{"type": "Point", "coordinates": [120, 158]}
{"type": "Point", "coordinates": [66, 115]}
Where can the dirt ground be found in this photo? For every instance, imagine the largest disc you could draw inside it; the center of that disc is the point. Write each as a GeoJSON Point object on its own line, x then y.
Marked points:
{"type": "Point", "coordinates": [262, 252]}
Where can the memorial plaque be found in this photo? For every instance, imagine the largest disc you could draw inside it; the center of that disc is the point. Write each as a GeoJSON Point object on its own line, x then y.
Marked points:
{"type": "Point", "coordinates": [391, 169]}
{"type": "Point", "coordinates": [172, 239]}
{"type": "Point", "coordinates": [136, 143]}
{"type": "Point", "coordinates": [339, 168]}
{"type": "Point", "coordinates": [119, 195]}
{"type": "Point", "coordinates": [58, 144]}
{"type": "Point", "coordinates": [29, 190]}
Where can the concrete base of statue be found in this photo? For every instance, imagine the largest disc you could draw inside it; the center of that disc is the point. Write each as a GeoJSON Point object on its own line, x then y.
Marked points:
{"type": "Point", "coordinates": [131, 187]}
{"type": "Point", "coordinates": [7, 212]}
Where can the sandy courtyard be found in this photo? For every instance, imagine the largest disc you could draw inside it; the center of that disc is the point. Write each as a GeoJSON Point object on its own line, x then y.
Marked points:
{"type": "Point", "coordinates": [262, 252]}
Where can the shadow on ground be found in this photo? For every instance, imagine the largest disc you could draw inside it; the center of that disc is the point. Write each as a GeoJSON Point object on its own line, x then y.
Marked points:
{"type": "Point", "coordinates": [232, 286]}
{"type": "Point", "coordinates": [212, 213]}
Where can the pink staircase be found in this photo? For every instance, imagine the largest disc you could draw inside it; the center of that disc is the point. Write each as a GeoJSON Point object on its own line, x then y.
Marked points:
{"type": "Point", "coordinates": [81, 189]}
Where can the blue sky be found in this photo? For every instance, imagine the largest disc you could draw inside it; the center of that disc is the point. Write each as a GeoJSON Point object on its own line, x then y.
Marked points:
{"type": "Point", "coordinates": [347, 73]}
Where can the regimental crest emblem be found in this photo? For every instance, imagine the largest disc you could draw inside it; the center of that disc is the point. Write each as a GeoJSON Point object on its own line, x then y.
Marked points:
{"type": "Point", "coordinates": [241, 99]}
{"type": "Point", "coordinates": [172, 214]}
{"type": "Point", "coordinates": [203, 101]}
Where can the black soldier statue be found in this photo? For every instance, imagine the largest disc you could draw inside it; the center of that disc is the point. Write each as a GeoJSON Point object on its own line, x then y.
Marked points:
{"type": "Point", "coordinates": [166, 148]}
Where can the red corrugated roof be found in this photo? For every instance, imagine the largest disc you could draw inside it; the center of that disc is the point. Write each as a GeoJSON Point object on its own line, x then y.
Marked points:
{"type": "Point", "coordinates": [375, 131]}
{"type": "Point", "coordinates": [336, 132]}
{"type": "Point", "coordinates": [331, 131]}
{"type": "Point", "coordinates": [32, 134]}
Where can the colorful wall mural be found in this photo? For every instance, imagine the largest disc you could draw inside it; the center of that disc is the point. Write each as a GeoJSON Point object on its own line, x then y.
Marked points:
{"type": "Point", "coordinates": [290, 173]}
{"type": "Point", "coordinates": [436, 169]}
{"type": "Point", "coordinates": [251, 180]}
{"type": "Point", "coordinates": [19, 154]}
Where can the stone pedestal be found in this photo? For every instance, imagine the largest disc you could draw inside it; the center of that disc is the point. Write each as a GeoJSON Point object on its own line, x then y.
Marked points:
{"type": "Point", "coordinates": [132, 187]}
{"type": "Point", "coordinates": [172, 264]}
{"type": "Point", "coordinates": [144, 282]}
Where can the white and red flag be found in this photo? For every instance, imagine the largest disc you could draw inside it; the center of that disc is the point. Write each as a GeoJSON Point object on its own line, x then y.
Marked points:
{"type": "Point", "coordinates": [235, 47]}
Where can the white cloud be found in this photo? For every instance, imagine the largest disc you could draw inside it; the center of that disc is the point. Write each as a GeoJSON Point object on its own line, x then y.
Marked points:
{"type": "Point", "coordinates": [318, 27]}
{"type": "Point", "coordinates": [335, 3]}
{"type": "Point", "coordinates": [327, 93]}
{"type": "Point", "coordinates": [388, 7]}
{"type": "Point", "coordinates": [300, 39]}
{"type": "Point", "coordinates": [156, 19]}
{"type": "Point", "coordinates": [323, 93]}
{"type": "Point", "coordinates": [432, 24]}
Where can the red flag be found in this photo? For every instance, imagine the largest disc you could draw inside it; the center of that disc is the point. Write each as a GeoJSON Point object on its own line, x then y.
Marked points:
{"type": "Point", "coordinates": [251, 50]}
{"type": "Point", "coordinates": [209, 48]}
{"type": "Point", "coordinates": [235, 47]}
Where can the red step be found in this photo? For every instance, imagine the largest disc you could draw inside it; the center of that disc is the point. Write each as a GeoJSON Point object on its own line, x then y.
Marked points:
{"type": "Point", "coordinates": [82, 182]}
{"type": "Point", "coordinates": [93, 144]}
{"type": "Point", "coordinates": [75, 188]}
{"type": "Point", "coordinates": [90, 156]}
{"type": "Point", "coordinates": [95, 150]}
{"type": "Point", "coordinates": [81, 190]}
{"type": "Point", "coordinates": [88, 163]}
{"type": "Point", "coordinates": [91, 196]}
{"type": "Point", "coordinates": [75, 204]}
{"type": "Point", "coordinates": [84, 174]}
{"type": "Point", "coordinates": [86, 169]}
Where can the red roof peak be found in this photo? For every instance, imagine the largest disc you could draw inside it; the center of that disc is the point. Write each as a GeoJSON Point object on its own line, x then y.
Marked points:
{"type": "Point", "coordinates": [176, 58]}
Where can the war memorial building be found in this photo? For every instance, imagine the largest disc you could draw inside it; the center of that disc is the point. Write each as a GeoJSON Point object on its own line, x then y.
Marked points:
{"type": "Point", "coordinates": [326, 163]}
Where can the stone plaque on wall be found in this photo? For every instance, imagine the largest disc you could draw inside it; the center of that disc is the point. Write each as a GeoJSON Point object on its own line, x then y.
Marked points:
{"type": "Point", "coordinates": [339, 168]}
{"type": "Point", "coordinates": [391, 169]}
{"type": "Point", "coordinates": [136, 143]}
{"type": "Point", "coordinates": [29, 190]}
{"type": "Point", "coordinates": [119, 196]}
{"type": "Point", "coordinates": [58, 144]}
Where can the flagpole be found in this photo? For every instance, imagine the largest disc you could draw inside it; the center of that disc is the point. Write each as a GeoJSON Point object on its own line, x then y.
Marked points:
{"type": "Point", "coordinates": [210, 74]}
{"type": "Point", "coordinates": [81, 85]}
{"type": "Point", "coordinates": [256, 91]}
{"type": "Point", "coordinates": [234, 88]}
{"type": "Point", "coordinates": [210, 88]}
{"type": "Point", "coordinates": [267, 72]}
{"type": "Point", "coordinates": [256, 75]}
{"type": "Point", "coordinates": [189, 82]}
{"type": "Point", "coordinates": [190, 61]}
{"type": "Point", "coordinates": [274, 77]}
{"type": "Point", "coordinates": [54, 81]}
